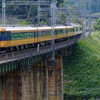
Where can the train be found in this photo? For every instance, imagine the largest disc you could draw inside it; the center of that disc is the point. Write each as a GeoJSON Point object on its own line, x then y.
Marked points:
{"type": "Point", "coordinates": [16, 38]}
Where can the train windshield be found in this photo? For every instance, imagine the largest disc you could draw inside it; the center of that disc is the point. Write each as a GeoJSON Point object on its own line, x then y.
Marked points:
{"type": "Point", "coordinates": [2, 33]}
{"type": "Point", "coordinates": [3, 36]}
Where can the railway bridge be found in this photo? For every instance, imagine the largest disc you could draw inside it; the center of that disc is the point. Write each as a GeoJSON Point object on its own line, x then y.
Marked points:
{"type": "Point", "coordinates": [31, 75]}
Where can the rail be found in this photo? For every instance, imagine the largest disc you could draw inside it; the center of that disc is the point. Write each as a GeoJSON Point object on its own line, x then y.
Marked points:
{"type": "Point", "coordinates": [18, 55]}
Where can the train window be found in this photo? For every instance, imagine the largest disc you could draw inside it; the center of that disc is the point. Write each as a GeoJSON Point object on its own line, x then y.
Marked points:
{"type": "Point", "coordinates": [24, 35]}
{"type": "Point", "coordinates": [39, 34]}
{"type": "Point", "coordinates": [35, 34]}
{"type": "Point", "coordinates": [2, 33]}
{"type": "Point", "coordinates": [3, 36]}
{"type": "Point", "coordinates": [71, 30]}
{"type": "Point", "coordinates": [60, 32]}
{"type": "Point", "coordinates": [55, 32]}
{"type": "Point", "coordinates": [76, 28]}
{"type": "Point", "coordinates": [66, 30]}
{"type": "Point", "coordinates": [42, 33]}
{"type": "Point", "coordinates": [48, 33]}
{"type": "Point", "coordinates": [45, 33]}
{"type": "Point", "coordinates": [8, 35]}
{"type": "Point", "coordinates": [80, 28]}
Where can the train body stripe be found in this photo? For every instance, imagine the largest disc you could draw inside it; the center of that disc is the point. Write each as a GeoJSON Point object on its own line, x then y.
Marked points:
{"type": "Point", "coordinates": [33, 40]}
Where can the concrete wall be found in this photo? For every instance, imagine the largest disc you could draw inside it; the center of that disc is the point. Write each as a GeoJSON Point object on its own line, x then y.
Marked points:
{"type": "Point", "coordinates": [39, 82]}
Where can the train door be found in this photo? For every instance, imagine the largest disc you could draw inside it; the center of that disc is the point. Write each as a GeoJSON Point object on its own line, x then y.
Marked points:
{"type": "Point", "coordinates": [74, 30]}
{"type": "Point", "coordinates": [55, 33]}
{"type": "Point", "coordinates": [4, 38]}
{"type": "Point", "coordinates": [35, 36]}
{"type": "Point", "coordinates": [8, 36]}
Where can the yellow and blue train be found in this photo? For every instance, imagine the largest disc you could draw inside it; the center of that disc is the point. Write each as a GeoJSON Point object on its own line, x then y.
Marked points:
{"type": "Point", "coordinates": [15, 38]}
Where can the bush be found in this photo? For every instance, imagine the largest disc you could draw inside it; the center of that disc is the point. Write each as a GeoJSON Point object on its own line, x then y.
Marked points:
{"type": "Point", "coordinates": [82, 69]}
{"type": "Point", "coordinates": [97, 25]}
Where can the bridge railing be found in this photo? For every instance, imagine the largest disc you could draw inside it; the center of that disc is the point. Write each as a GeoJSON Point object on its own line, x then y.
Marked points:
{"type": "Point", "coordinates": [17, 55]}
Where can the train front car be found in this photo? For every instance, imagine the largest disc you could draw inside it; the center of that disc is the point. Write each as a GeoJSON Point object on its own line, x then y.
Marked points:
{"type": "Point", "coordinates": [4, 39]}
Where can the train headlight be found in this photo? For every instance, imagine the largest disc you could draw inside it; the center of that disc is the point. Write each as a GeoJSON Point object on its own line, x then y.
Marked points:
{"type": "Point", "coordinates": [2, 44]}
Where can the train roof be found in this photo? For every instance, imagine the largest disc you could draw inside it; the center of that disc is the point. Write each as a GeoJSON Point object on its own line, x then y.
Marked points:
{"type": "Point", "coordinates": [2, 29]}
{"type": "Point", "coordinates": [20, 29]}
{"type": "Point", "coordinates": [32, 29]}
{"type": "Point", "coordinates": [75, 24]}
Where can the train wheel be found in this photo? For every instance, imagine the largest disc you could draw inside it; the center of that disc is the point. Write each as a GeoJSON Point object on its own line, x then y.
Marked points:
{"type": "Point", "coordinates": [11, 49]}
{"type": "Point", "coordinates": [22, 47]}
{"type": "Point", "coordinates": [26, 46]}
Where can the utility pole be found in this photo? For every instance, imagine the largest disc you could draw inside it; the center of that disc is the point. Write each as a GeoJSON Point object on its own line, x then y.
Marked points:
{"type": "Point", "coordinates": [39, 10]}
{"type": "Point", "coordinates": [90, 19]}
{"type": "Point", "coordinates": [53, 23]}
{"type": "Point", "coordinates": [68, 13]}
{"type": "Point", "coordinates": [90, 23]}
{"type": "Point", "coordinates": [3, 12]}
{"type": "Point", "coordinates": [30, 3]}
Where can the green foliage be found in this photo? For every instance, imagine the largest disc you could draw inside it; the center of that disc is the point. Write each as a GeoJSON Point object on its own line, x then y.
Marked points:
{"type": "Point", "coordinates": [43, 23]}
{"type": "Point", "coordinates": [23, 23]}
{"type": "Point", "coordinates": [61, 18]}
{"type": "Point", "coordinates": [59, 2]}
{"type": "Point", "coordinates": [90, 4]}
{"type": "Point", "coordinates": [97, 25]}
{"type": "Point", "coordinates": [82, 69]}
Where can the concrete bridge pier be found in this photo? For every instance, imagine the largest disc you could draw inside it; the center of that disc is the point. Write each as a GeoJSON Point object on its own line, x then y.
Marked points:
{"type": "Point", "coordinates": [67, 51]}
{"type": "Point", "coordinates": [55, 81]}
{"type": "Point", "coordinates": [42, 82]}
{"type": "Point", "coordinates": [10, 86]}
{"type": "Point", "coordinates": [34, 83]}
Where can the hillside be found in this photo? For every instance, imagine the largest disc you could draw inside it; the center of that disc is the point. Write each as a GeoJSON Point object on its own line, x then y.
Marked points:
{"type": "Point", "coordinates": [82, 69]}
{"type": "Point", "coordinates": [92, 6]}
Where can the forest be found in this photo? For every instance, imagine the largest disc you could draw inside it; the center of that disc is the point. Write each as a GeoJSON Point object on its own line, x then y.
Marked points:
{"type": "Point", "coordinates": [28, 14]}
{"type": "Point", "coordinates": [82, 70]}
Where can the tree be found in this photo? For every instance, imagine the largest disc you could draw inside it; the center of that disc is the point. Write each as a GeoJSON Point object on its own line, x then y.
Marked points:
{"type": "Point", "coordinates": [97, 25]}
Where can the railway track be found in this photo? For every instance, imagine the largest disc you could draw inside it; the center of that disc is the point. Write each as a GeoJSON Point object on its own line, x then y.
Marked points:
{"type": "Point", "coordinates": [18, 55]}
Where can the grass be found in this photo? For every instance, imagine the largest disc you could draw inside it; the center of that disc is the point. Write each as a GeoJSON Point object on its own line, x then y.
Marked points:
{"type": "Point", "coordinates": [82, 69]}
